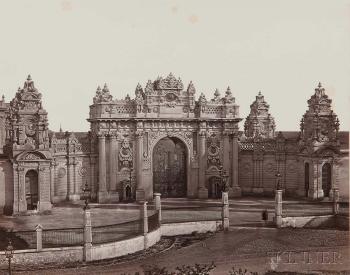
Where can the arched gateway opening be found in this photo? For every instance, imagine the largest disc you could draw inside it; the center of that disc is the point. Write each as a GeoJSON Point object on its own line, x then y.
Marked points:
{"type": "Point", "coordinates": [31, 185]}
{"type": "Point", "coordinates": [169, 168]}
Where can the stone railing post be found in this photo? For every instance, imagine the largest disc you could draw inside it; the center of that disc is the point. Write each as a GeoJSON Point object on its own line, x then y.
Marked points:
{"type": "Point", "coordinates": [144, 220]}
{"type": "Point", "coordinates": [278, 208]}
{"type": "Point", "coordinates": [225, 211]}
{"type": "Point", "coordinates": [335, 201]}
{"type": "Point", "coordinates": [39, 237]}
{"type": "Point", "coordinates": [158, 206]}
{"type": "Point", "coordinates": [87, 236]}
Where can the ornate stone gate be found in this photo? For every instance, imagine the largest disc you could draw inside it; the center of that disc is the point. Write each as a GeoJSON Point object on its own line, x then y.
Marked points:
{"type": "Point", "coordinates": [126, 132]}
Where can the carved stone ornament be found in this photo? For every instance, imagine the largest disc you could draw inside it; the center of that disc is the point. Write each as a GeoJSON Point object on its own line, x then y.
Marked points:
{"type": "Point", "coordinates": [214, 152]}
{"type": "Point", "coordinates": [82, 171]}
{"type": "Point", "coordinates": [125, 155]}
{"type": "Point", "coordinates": [169, 83]}
{"type": "Point", "coordinates": [61, 172]}
{"type": "Point", "coordinates": [31, 156]}
{"type": "Point", "coordinates": [102, 95]}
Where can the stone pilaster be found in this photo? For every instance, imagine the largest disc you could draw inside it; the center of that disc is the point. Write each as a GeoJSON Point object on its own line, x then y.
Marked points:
{"type": "Point", "coordinates": [93, 177]}
{"type": "Point", "coordinates": [315, 190]}
{"type": "Point", "coordinates": [44, 202]}
{"type": "Point", "coordinates": [52, 181]}
{"type": "Point", "coordinates": [87, 236]}
{"type": "Point", "coordinates": [140, 191]}
{"type": "Point", "coordinates": [235, 190]}
{"type": "Point", "coordinates": [202, 159]}
{"type": "Point", "coordinates": [225, 215]}
{"type": "Point", "coordinates": [102, 184]}
{"type": "Point", "coordinates": [19, 202]}
{"type": "Point", "coordinates": [113, 194]}
{"type": "Point", "coordinates": [278, 208]}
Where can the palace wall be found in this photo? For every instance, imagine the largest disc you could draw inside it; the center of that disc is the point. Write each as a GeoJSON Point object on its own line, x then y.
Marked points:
{"type": "Point", "coordinates": [117, 158]}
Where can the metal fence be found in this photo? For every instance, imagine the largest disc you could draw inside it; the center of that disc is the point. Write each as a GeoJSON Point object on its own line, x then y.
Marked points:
{"type": "Point", "coordinates": [344, 208]}
{"type": "Point", "coordinates": [153, 222]}
{"type": "Point", "coordinates": [62, 237]}
{"type": "Point", "coordinates": [116, 232]}
{"type": "Point", "coordinates": [179, 214]}
{"type": "Point", "coordinates": [23, 239]}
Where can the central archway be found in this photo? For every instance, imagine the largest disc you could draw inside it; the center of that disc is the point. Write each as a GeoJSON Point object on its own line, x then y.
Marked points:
{"type": "Point", "coordinates": [169, 168]}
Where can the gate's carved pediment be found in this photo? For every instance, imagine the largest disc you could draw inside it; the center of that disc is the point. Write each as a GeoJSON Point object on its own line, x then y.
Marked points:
{"type": "Point", "coordinates": [30, 156]}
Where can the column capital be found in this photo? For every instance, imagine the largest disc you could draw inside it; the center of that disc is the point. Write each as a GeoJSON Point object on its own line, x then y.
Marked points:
{"type": "Point", "coordinates": [101, 135]}
{"type": "Point", "coordinates": [139, 134]}
{"type": "Point", "coordinates": [112, 135]}
{"type": "Point", "coordinates": [202, 134]}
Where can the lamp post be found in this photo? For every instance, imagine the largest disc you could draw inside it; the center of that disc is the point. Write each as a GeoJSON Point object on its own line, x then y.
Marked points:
{"type": "Point", "coordinates": [86, 195]}
{"type": "Point", "coordinates": [9, 254]}
{"type": "Point", "coordinates": [225, 182]}
{"type": "Point", "coordinates": [278, 178]}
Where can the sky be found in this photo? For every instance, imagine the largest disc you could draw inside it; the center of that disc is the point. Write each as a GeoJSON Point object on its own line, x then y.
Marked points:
{"type": "Point", "coordinates": [281, 48]}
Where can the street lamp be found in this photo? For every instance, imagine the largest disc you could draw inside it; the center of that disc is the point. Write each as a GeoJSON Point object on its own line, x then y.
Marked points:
{"type": "Point", "coordinates": [225, 182]}
{"type": "Point", "coordinates": [9, 254]}
{"type": "Point", "coordinates": [223, 178]}
{"type": "Point", "coordinates": [278, 177]}
{"type": "Point", "coordinates": [86, 195]}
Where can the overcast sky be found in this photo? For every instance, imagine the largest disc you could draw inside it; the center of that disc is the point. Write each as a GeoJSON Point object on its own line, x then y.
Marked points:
{"type": "Point", "coordinates": [283, 48]}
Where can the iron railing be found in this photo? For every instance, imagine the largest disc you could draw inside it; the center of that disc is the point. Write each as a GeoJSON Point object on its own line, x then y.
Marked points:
{"type": "Point", "coordinates": [62, 237]}
{"type": "Point", "coordinates": [116, 232]}
{"type": "Point", "coordinates": [153, 222]}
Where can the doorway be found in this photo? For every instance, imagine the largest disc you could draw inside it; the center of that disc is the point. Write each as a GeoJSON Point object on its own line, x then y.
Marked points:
{"type": "Point", "coordinates": [307, 178]}
{"type": "Point", "coordinates": [31, 186]}
{"type": "Point", "coordinates": [326, 179]}
{"type": "Point", "coordinates": [215, 188]}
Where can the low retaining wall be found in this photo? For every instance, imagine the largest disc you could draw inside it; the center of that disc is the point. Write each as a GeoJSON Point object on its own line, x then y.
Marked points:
{"type": "Point", "coordinates": [184, 228]}
{"type": "Point", "coordinates": [47, 255]}
{"type": "Point", "coordinates": [309, 221]}
{"type": "Point", "coordinates": [108, 250]}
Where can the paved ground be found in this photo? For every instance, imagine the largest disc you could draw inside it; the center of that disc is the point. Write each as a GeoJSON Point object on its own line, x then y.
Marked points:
{"type": "Point", "coordinates": [243, 212]}
{"type": "Point", "coordinates": [255, 249]}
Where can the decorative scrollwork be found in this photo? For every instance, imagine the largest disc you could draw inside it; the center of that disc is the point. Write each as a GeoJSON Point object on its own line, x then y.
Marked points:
{"type": "Point", "coordinates": [125, 155]}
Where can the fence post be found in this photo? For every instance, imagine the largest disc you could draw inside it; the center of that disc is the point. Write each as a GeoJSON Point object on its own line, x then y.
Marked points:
{"type": "Point", "coordinates": [225, 211]}
{"type": "Point", "coordinates": [87, 236]}
{"type": "Point", "coordinates": [39, 237]}
{"type": "Point", "coordinates": [158, 207]}
{"type": "Point", "coordinates": [336, 201]}
{"type": "Point", "coordinates": [278, 208]}
{"type": "Point", "coordinates": [144, 220]}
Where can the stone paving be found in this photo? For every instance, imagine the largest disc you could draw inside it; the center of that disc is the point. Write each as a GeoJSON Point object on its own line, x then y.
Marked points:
{"type": "Point", "coordinates": [253, 248]}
